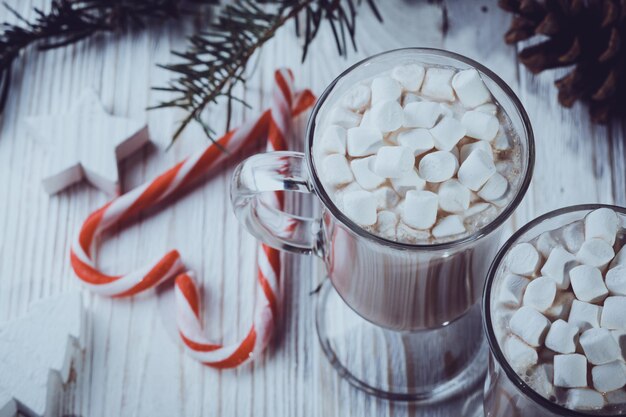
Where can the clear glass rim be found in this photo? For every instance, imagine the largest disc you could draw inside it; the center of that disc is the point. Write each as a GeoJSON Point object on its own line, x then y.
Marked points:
{"type": "Point", "coordinates": [494, 346]}
{"type": "Point", "coordinates": [483, 231]}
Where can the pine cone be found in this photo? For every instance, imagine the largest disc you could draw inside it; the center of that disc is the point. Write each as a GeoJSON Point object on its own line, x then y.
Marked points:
{"type": "Point", "coordinates": [589, 35]}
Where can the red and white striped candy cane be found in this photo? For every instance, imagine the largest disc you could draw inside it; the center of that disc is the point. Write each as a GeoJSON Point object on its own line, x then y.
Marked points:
{"type": "Point", "coordinates": [269, 124]}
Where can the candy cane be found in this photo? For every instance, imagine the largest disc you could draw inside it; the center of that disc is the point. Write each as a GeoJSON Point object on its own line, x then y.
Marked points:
{"type": "Point", "coordinates": [272, 123]}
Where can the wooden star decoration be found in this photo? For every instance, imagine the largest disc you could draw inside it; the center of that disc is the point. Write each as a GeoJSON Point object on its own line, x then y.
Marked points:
{"type": "Point", "coordinates": [86, 143]}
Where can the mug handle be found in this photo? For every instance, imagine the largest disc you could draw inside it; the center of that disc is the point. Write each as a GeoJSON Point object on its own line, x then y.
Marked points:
{"type": "Point", "coordinates": [250, 193]}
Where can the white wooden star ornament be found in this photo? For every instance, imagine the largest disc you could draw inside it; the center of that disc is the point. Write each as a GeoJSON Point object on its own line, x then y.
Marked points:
{"type": "Point", "coordinates": [86, 143]}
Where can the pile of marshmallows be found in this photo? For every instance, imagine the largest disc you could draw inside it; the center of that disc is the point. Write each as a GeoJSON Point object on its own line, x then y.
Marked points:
{"type": "Point", "coordinates": [585, 295]}
{"type": "Point", "coordinates": [388, 148]}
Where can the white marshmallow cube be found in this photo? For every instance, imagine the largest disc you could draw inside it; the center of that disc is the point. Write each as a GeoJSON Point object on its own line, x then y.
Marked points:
{"type": "Point", "coordinates": [363, 141]}
{"type": "Point", "coordinates": [562, 337]}
{"type": "Point", "coordinates": [420, 209]}
{"type": "Point", "coordinates": [423, 114]}
{"type": "Point", "coordinates": [501, 142]}
{"type": "Point", "coordinates": [558, 265]}
{"type": "Point", "coordinates": [573, 236]}
{"type": "Point", "coordinates": [620, 258]}
{"type": "Point", "coordinates": [587, 283]}
{"type": "Point", "coordinates": [387, 224]}
{"type": "Point", "coordinates": [519, 355]}
{"type": "Point", "coordinates": [394, 161]}
{"type": "Point", "coordinates": [584, 315]}
{"type": "Point", "coordinates": [523, 259]}
{"type": "Point", "coordinates": [358, 97]}
{"type": "Point", "coordinates": [599, 346]}
{"type": "Point", "coordinates": [360, 207]}
{"type": "Point", "coordinates": [584, 399]}
{"type": "Point", "coordinates": [615, 280]}
{"type": "Point", "coordinates": [437, 84]}
{"type": "Point", "coordinates": [470, 88]}
{"type": "Point", "coordinates": [336, 170]}
{"type": "Point", "coordinates": [488, 108]}
{"type": "Point", "coordinates": [614, 313]}
{"type": "Point", "coordinates": [476, 209]}
{"type": "Point", "coordinates": [343, 117]}
{"type": "Point", "coordinates": [449, 226]}
{"type": "Point", "coordinates": [447, 133]}
{"type": "Point", "coordinates": [561, 306]}
{"type": "Point", "coordinates": [385, 88]}
{"type": "Point", "coordinates": [602, 224]}
{"type": "Point", "coordinates": [540, 293]}
{"type": "Point", "coordinates": [386, 116]}
{"type": "Point", "coordinates": [333, 140]}
{"type": "Point", "coordinates": [477, 168]}
{"type": "Point", "coordinates": [479, 125]}
{"type": "Point", "coordinates": [409, 181]}
{"type": "Point", "coordinates": [545, 243]}
{"type": "Point", "coordinates": [438, 166]}
{"type": "Point", "coordinates": [620, 338]}
{"type": "Point", "coordinates": [454, 197]}
{"type": "Point", "coordinates": [570, 371]}
{"type": "Point", "coordinates": [494, 189]}
{"type": "Point", "coordinates": [419, 140]}
{"type": "Point", "coordinates": [512, 289]}
{"type": "Point", "coordinates": [410, 98]}
{"type": "Point", "coordinates": [470, 147]}
{"type": "Point", "coordinates": [386, 198]}
{"type": "Point", "coordinates": [446, 110]}
{"type": "Point", "coordinates": [409, 76]}
{"type": "Point", "coordinates": [609, 377]}
{"type": "Point", "coordinates": [363, 174]}
{"type": "Point", "coordinates": [595, 252]}
{"type": "Point", "coordinates": [529, 325]}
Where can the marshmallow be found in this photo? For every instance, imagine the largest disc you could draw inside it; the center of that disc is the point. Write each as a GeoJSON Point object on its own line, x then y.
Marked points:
{"type": "Point", "coordinates": [446, 110]}
{"type": "Point", "coordinates": [447, 133]}
{"type": "Point", "coordinates": [449, 226]}
{"type": "Point", "coordinates": [410, 234]}
{"type": "Point", "coordinates": [488, 108]}
{"type": "Point", "coordinates": [336, 170]}
{"type": "Point", "coordinates": [561, 306]}
{"type": "Point", "coordinates": [570, 371]}
{"type": "Point", "coordinates": [595, 252]}
{"type": "Point", "coordinates": [523, 259]}
{"type": "Point", "coordinates": [410, 98]}
{"type": "Point", "coordinates": [599, 346]}
{"type": "Point", "coordinates": [476, 209]}
{"type": "Point", "coordinates": [614, 313]}
{"type": "Point", "coordinates": [358, 97]}
{"type": "Point", "coordinates": [438, 166]}
{"type": "Point", "coordinates": [584, 315]}
{"type": "Point", "coordinates": [437, 84]}
{"type": "Point", "coordinates": [363, 141]}
{"type": "Point", "coordinates": [602, 224]}
{"type": "Point", "coordinates": [386, 198]}
{"type": "Point", "coordinates": [409, 76]}
{"type": "Point", "coordinates": [409, 181]}
{"type": "Point", "coordinates": [494, 189]}
{"type": "Point", "coordinates": [542, 377]}
{"type": "Point", "coordinates": [333, 140]}
{"type": "Point", "coordinates": [420, 209]}
{"type": "Point", "coordinates": [363, 174]}
{"type": "Point", "coordinates": [620, 338]}
{"type": "Point", "coordinates": [470, 147]}
{"type": "Point", "coordinates": [529, 325]}
{"type": "Point", "coordinates": [454, 197]}
{"type": "Point", "coordinates": [540, 293]}
{"type": "Point", "coordinates": [477, 168]}
{"type": "Point", "coordinates": [366, 120]}
{"type": "Point", "coordinates": [385, 88]}
{"type": "Point", "coordinates": [588, 284]}
{"type": "Point", "coordinates": [584, 399]}
{"type": "Point", "coordinates": [387, 115]}
{"type": "Point", "coordinates": [479, 125]}
{"type": "Point", "coordinates": [573, 236]}
{"type": "Point", "coordinates": [419, 140]}
{"type": "Point", "coordinates": [360, 207]}
{"type": "Point", "coordinates": [344, 117]}
{"type": "Point", "coordinates": [387, 224]}
{"type": "Point", "coordinates": [470, 88]}
{"type": "Point", "coordinates": [558, 265]}
{"type": "Point", "coordinates": [615, 280]}
{"type": "Point", "coordinates": [562, 337]}
{"type": "Point", "coordinates": [609, 377]}
{"type": "Point", "coordinates": [520, 356]}
{"type": "Point", "coordinates": [616, 397]}
{"type": "Point", "coordinates": [544, 244]}
{"type": "Point", "coordinates": [394, 161]}
{"type": "Point", "coordinates": [422, 114]}
{"type": "Point", "coordinates": [620, 258]}
{"type": "Point", "coordinates": [501, 142]}
{"type": "Point", "coordinates": [512, 289]}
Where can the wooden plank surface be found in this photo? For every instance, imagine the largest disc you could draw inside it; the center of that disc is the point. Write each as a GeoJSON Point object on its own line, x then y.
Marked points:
{"type": "Point", "coordinates": [131, 365]}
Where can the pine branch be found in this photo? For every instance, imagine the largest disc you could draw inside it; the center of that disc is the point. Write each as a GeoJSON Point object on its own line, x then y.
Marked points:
{"type": "Point", "coordinates": [70, 21]}
{"type": "Point", "coordinates": [216, 59]}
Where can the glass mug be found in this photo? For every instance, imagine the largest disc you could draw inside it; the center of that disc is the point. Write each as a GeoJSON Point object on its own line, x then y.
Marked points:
{"type": "Point", "coordinates": [505, 393]}
{"type": "Point", "coordinates": [396, 287]}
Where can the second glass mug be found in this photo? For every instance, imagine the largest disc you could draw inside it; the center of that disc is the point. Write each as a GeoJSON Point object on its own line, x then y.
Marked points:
{"type": "Point", "coordinates": [408, 288]}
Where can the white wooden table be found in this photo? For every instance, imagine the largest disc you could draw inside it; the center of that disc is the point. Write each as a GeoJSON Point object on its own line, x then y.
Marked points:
{"type": "Point", "coordinates": [131, 366]}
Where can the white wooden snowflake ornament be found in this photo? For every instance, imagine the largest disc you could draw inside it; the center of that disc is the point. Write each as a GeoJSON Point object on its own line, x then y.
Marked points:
{"type": "Point", "coordinates": [86, 143]}
{"type": "Point", "coordinates": [36, 352]}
